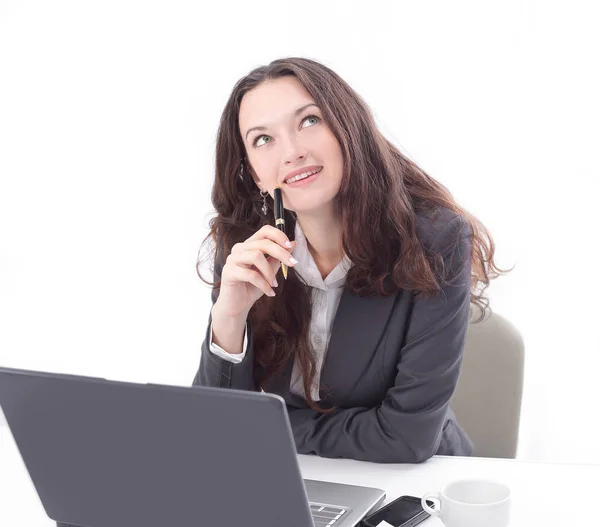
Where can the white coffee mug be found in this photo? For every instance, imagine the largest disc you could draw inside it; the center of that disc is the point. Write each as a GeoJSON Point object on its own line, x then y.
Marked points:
{"type": "Point", "coordinates": [471, 503]}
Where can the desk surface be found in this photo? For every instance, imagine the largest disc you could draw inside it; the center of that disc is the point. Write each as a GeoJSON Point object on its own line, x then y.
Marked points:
{"type": "Point", "coordinates": [544, 494]}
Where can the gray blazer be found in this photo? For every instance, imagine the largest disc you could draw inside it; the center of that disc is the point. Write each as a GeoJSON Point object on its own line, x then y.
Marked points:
{"type": "Point", "coordinates": [391, 367]}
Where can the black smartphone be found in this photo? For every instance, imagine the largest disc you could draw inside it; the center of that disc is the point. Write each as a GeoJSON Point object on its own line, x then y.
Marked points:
{"type": "Point", "coordinates": [405, 511]}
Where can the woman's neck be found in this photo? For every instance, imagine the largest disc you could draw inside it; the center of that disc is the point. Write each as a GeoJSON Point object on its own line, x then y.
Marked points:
{"type": "Point", "coordinates": [323, 233]}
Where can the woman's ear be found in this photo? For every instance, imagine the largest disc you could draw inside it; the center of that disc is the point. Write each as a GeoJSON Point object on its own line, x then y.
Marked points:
{"type": "Point", "coordinates": [248, 169]}
{"type": "Point", "coordinates": [256, 180]}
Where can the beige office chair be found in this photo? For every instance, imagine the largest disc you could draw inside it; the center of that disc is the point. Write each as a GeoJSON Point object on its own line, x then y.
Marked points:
{"type": "Point", "coordinates": [487, 401]}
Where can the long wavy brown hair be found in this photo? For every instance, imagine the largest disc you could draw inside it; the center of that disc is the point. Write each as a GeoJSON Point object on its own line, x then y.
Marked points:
{"type": "Point", "coordinates": [381, 192]}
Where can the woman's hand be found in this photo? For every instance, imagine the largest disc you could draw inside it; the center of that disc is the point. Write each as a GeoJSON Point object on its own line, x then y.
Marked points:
{"type": "Point", "coordinates": [250, 270]}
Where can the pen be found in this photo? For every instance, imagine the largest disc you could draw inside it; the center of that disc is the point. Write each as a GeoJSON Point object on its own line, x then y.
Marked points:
{"type": "Point", "coordinates": [280, 220]}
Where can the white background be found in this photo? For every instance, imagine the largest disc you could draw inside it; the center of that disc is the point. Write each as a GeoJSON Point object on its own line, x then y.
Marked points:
{"type": "Point", "coordinates": [108, 118]}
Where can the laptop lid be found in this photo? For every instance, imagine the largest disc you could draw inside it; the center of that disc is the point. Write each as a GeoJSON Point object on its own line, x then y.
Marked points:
{"type": "Point", "coordinates": [106, 453]}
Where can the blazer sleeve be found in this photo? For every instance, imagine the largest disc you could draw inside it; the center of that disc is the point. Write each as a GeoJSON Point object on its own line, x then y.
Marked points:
{"type": "Point", "coordinates": [407, 426]}
{"type": "Point", "coordinates": [218, 350]}
{"type": "Point", "coordinates": [216, 370]}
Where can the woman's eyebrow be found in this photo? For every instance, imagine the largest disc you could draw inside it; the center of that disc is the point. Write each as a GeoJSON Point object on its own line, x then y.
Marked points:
{"type": "Point", "coordinates": [297, 112]}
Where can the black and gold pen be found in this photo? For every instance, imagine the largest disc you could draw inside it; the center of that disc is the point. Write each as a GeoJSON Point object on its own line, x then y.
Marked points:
{"type": "Point", "coordinates": [280, 220]}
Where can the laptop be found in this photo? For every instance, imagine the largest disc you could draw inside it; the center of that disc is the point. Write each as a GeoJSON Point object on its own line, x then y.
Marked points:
{"type": "Point", "coordinates": [104, 453]}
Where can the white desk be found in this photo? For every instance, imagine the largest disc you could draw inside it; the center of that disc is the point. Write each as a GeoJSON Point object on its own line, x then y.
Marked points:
{"type": "Point", "coordinates": [544, 494]}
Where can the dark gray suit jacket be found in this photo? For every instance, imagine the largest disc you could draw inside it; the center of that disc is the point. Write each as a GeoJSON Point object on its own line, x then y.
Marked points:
{"type": "Point", "coordinates": [391, 367]}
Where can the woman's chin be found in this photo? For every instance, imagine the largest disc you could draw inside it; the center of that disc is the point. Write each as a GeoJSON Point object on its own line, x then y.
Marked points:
{"type": "Point", "coordinates": [312, 208]}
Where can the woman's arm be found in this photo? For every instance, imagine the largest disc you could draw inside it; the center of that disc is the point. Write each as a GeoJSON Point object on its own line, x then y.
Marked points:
{"type": "Point", "coordinates": [223, 372]}
{"type": "Point", "coordinates": [407, 426]}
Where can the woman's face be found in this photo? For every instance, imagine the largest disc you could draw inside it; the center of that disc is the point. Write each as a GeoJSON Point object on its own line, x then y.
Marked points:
{"type": "Point", "coordinates": [289, 142]}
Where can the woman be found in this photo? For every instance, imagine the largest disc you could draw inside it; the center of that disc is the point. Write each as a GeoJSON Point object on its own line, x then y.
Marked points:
{"type": "Point", "coordinates": [364, 339]}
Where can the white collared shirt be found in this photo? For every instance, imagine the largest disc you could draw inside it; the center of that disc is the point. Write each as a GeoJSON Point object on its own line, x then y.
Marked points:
{"type": "Point", "coordinates": [326, 295]}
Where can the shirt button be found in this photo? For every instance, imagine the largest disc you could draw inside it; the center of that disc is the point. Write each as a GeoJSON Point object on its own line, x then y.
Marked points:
{"type": "Point", "coordinates": [317, 339]}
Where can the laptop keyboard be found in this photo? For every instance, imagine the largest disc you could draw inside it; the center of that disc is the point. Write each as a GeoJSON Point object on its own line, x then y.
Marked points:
{"type": "Point", "coordinates": [326, 515]}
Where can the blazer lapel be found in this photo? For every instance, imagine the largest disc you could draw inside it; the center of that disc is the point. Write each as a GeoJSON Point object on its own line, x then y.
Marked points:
{"type": "Point", "coordinates": [358, 326]}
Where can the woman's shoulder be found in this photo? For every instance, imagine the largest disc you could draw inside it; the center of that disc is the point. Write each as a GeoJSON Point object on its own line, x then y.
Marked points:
{"type": "Point", "coordinates": [438, 226]}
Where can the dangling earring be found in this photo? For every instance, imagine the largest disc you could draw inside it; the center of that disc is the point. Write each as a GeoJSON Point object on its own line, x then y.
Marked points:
{"type": "Point", "coordinates": [264, 197]}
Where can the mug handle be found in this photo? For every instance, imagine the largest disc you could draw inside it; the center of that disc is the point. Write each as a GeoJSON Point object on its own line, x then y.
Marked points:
{"type": "Point", "coordinates": [431, 496]}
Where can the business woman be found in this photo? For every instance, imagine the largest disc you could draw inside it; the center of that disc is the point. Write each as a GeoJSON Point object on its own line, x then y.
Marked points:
{"type": "Point", "coordinates": [364, 339]}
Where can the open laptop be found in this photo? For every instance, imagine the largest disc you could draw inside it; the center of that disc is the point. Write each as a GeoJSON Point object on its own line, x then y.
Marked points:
{"type": "Point", "coordinates": [104, 453]}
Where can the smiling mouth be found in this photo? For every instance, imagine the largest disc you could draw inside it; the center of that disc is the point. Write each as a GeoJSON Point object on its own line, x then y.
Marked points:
{"type": "Point", "coordinates": [292, 180]}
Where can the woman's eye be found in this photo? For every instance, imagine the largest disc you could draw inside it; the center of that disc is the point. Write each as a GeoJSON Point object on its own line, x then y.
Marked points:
{"type": "Point", "coordinates": [255, 142]}
{"type": "Point", "coordinates": [311, 116]}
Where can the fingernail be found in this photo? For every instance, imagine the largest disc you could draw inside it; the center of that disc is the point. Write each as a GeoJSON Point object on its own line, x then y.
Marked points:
{"type": "Point", "coordinates": [293, 260]}
{"type": "Point", "coordinates": [288, 243]}
{"type": "Point", "coordinates": [271, 293]}
{"type": "Point", "coordinates": [274, 282]}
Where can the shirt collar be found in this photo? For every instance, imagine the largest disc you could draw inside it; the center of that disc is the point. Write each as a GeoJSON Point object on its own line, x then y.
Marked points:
{"type": "Point", "coordinates": [308, 270]}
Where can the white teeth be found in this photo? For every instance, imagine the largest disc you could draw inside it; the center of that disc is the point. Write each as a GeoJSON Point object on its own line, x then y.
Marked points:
{"type": "Point", "coordinates": [302, 176]}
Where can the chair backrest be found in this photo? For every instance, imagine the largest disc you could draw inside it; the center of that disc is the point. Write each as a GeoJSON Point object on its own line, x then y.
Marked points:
{"type": "Point", "coordinates": [487, 400]}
